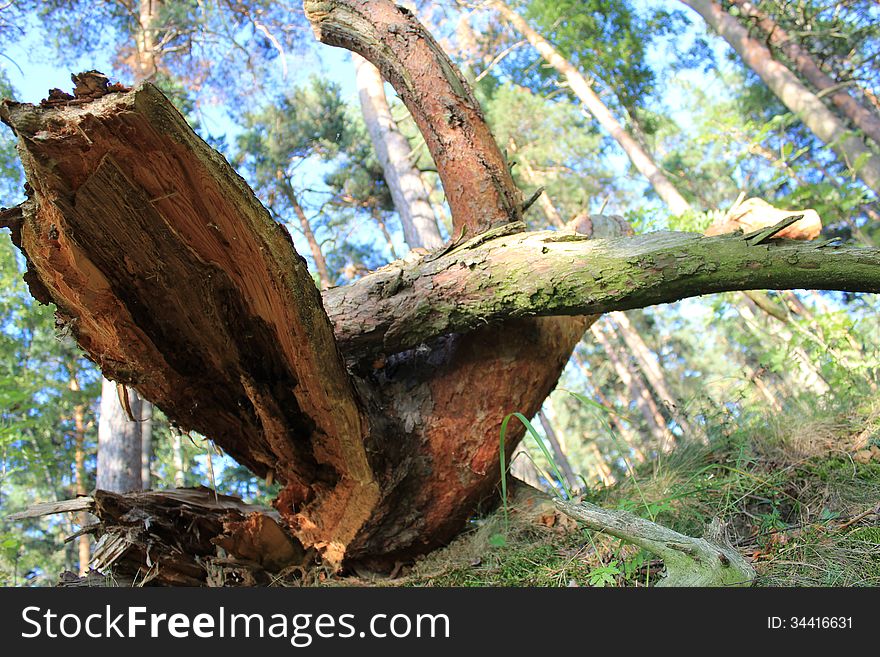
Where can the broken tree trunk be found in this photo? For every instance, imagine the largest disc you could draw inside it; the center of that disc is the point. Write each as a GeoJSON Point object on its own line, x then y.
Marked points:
{"type": "Point", "coordinates": [184, 537]}
{"type": "Point", "coordinates": [176, 281]}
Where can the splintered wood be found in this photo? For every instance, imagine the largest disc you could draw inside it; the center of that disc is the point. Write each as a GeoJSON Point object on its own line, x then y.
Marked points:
{"type": "Point", "coordinates": [178, 283]}
{"type": "Point", "coordinates": [186, 537]}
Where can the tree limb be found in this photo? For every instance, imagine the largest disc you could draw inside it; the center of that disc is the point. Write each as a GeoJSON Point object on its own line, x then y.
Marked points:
{"type": "Point", "coordinates": [561, 273]}
{"type": "Point", "coordinates": [475, 175]}
{"type": "Point", "coordinates": [708, 561]}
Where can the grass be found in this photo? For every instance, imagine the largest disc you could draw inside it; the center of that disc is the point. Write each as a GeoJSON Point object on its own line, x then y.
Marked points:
{"type": "Point", "coordinates": [798, 494]}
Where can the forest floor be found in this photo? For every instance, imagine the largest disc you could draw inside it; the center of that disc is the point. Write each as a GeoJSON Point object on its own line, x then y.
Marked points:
{"type": "Point", "coordinates": [800, 493]}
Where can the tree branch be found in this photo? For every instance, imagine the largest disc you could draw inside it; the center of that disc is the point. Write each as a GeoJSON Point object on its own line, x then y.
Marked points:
{"type": "Point", "coordinates": [708, 561]}
{"type": "Point", "coordinates": [562, 273]}
{"type": "Point", "coordinates": [475, 175]}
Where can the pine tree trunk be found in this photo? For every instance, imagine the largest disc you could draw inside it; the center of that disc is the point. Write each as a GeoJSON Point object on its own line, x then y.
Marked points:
{"type": "Point", "coordinates": [559, 456]}
{"type": "Point", "coordinates": [395, 156]}
{"type": "Point", "coordinates": [863, 118]}
{"type": "Point", "coordinates": [654, 374]}
{"type": "Point", "coordinates": [79, 436]}
{"type": "Point", "coordinates": [663, 438]}
{"type": "Point", "coordinates": [177, 460]}
{"type": "Point", "coordinates": [324, 280]}
{"type": "Point", "coordinates": [119, 442]}
{"type": "Point", "coordinates": [582, 89]}
{"type": "Point", "coordinates": [146, 421]}
{"type": "Point", "coordinates": [794, 95]}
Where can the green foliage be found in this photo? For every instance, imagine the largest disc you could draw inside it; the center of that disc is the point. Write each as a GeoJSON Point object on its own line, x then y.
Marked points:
{"type": "Point", "coordinates": [781, 484]}
{"type": "Point", "coordinates": [606, 39]}
{"type": "Point", "coordinates": [37, 437]}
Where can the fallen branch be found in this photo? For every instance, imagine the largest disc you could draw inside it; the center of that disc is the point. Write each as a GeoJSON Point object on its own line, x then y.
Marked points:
{"type": "Point", "coordinates": [708, 561]}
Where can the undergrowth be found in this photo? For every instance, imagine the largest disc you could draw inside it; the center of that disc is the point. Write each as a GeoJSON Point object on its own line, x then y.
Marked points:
{"type": "Point", "coordinates": [799, 493]}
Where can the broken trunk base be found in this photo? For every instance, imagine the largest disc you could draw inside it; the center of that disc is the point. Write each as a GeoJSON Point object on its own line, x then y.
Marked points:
{"type": "Point", "coordinates": [183, 537]}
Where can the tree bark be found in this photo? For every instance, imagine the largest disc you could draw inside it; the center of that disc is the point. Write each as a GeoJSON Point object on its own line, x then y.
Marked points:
{"type": "Point", "coordinates": [395, 156]}
{"type": "Point", "coordinates": [793, 94]}
{"type": "Point", "coordinates": [583, 90]}
{"type": "Point", "coordinates": [119, 442]}
{"type": "Point", "coordinates": [216, 320]}
{"type": "Point", "coordinates": [116, 434]}
{"type": "Point", "coordinates": [863, 118]}
{"type": "Point", "coordinates": [502, 275]}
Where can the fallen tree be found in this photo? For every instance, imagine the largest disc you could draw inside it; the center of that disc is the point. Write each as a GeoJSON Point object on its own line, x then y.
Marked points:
{"type": "Point", "coordinates": [176, 282]}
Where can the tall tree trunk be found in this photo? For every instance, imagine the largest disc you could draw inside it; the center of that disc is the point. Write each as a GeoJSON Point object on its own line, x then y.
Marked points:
{"type": "Point", "coordinates": [79, 437]}
{"type": "Point", "coordinates": [863, 118]}
{"type": "Point", "coordinates": [794, 95]}
{"type": "Point", "coordinates": [654, 420]}
{"type": "Point", "coordinates": [317, 255]}
{"type": "Point", "coordinates": [582, 89]}
{"type": "Point", "coordinates": [145, 39]}
{"type": "Point", "coordinates": [146, 420]}
{"type": "Point", "coordinates": [177, 459]}
{"type": "Point", "coordinates": [119, 442]}
{"type": "Point", "coordinates": [394, 153]}
{"type": "Point", "coordinates": [559, 455]}
{"type": "Point", "coordinates": [654, 374]}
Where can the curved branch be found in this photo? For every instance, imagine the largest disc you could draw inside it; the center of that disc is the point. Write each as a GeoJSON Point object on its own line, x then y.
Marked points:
{"type": "Point", "coordinates": [475, 175]}
{"type": "Point", "coordinates": [707, 561]}
{"type": "Point", "coordinates": [562, 273]}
